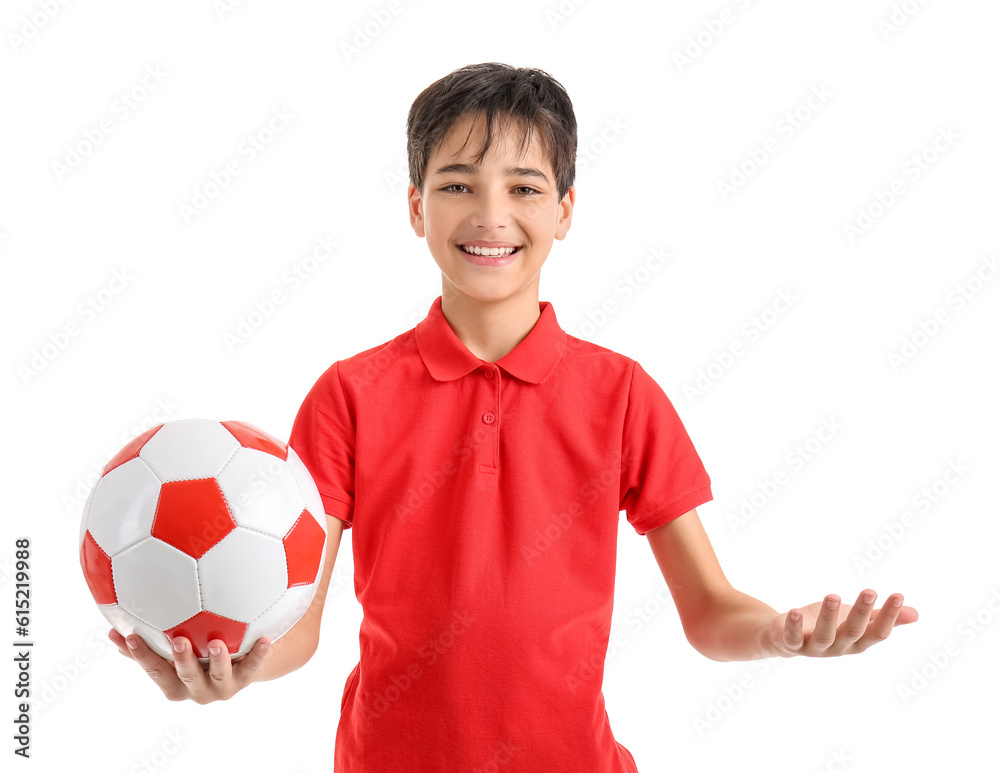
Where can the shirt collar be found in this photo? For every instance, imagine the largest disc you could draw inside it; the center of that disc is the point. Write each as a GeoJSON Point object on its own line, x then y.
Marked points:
{"type": "Point", "coordinates": [533, 359]}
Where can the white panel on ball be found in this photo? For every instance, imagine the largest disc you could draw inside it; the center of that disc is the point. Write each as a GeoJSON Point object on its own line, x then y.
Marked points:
{"type": "Point", "coordinates": [242, 574]}
{"type": "Point", "coordinates": [142, 572]}
{"type": "Point", "coordinates": [127, 624]}
{"type": "Point", "coordinates": [261, 492]}
{"type": "Point", "coordinates": [123, 506]}
{"type": "Point", "coordinates": [189, 449]}
{"type": "Point", "coordinates": [294, 603]}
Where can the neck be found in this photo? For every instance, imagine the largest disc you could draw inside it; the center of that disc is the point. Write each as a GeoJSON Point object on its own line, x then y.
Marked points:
{"type": "Point", "coordinates": [491, 329]}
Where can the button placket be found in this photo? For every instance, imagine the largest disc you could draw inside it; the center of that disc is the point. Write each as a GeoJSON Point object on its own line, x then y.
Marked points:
{"type": "Point", "coordinates": [491, 418]}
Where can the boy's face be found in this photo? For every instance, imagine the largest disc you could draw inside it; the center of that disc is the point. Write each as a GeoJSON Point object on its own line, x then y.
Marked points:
{"type": "Point", "coordinates": [505, 201]}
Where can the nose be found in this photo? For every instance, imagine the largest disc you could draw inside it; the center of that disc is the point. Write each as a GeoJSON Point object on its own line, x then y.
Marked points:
{"type": "Point", "coordinates": [490, 211]}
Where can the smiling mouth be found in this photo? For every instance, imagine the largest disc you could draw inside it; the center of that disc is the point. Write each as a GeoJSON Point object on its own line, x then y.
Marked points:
{"type": "Point", "coordinates": [489, 252]}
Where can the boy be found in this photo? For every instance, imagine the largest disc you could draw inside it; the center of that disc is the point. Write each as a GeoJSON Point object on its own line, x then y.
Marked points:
{"type": "Point", "coordinates": [483, 458]}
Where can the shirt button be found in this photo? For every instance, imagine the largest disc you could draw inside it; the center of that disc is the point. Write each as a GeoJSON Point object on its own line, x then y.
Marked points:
{"type": "Point", "coordinates": [488, 373]}
{"type": "Point", "coordinates": [489, 418]}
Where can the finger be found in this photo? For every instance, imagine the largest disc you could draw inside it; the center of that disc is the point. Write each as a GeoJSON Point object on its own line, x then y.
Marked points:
{"type": "Point", "coordinates": [885, 619]}
{"type": "Point", "coordinates": [119, 641]}
{"type": "Point", "coordinates": [158, 669]}
{"type": "Point", "coordinates": [825, 632]}
{"type": "Point", "coordinates": [247, 669]}
{"type": "Point", "coordinates": [906, 614]}
{"type": "Point", "coordinates": [220, 663]}
{"type": "Point", "coordinates": [188, 667]}
{"type": "Point", "coordinates": [856, 624]}
{"type": "Point", "coordinates": [793, 629]}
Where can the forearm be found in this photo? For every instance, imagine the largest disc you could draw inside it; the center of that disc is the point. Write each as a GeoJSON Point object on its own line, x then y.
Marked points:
{"type": "Point", "coordinates": [287, 654]}
{"type": "Point", "coordinates": [735, 627]}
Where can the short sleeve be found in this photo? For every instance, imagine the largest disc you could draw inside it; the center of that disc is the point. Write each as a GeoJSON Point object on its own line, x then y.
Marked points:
{"type": "Point", "coordinates": [662, 476]}
{"type": "Point", "coordinates": [323, 435]}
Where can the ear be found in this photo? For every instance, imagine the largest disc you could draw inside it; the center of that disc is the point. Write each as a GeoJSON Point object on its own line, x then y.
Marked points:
{"type": "Point", "coordinates": [564, 214]}
{"type": "Point", "coordinates": [415, 204]}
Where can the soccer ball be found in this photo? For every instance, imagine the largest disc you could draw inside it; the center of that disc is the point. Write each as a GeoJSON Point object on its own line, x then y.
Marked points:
{"type": "Point", "coordinates": [207, 530]}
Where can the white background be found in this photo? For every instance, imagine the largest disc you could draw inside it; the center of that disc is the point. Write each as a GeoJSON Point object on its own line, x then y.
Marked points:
{"type": "Point", "coordinates": [657, 137]}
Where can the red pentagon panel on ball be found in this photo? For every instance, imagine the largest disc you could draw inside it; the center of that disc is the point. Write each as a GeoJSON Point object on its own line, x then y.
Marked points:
{"type": "Point", "coordinates": [192, 515]}
{"type": "Point", "coordinates": [204, 627]}
{"type": "Point", "coordinates": [131, 449]}
{"type": "Point", "coordinates": [251, 437]}
{"type": "Point", "coordinates": [97, 571]}
{"type": "Point", "coordinates": [303, 550]}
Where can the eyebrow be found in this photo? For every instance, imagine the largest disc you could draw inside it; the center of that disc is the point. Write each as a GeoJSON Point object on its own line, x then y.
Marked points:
{"type": "Point", "coordinates": [519, 171]}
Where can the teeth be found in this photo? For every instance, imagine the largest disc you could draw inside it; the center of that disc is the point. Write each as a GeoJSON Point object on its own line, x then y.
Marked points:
{"type": "Point", "coordinates": [493, 252]}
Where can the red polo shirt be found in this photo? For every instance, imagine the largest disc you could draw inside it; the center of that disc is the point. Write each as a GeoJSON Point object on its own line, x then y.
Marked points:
{"type": "Point", "coordinates": [485, 501]}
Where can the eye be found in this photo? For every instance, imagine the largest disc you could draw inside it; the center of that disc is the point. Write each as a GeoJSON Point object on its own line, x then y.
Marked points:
{"type": "Point", "coordinates": [448, 188]}
{"type": "Point", "coordinates": [530, 191]}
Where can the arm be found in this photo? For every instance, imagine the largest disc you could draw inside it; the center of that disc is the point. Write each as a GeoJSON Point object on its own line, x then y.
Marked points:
{"type": "Point", "coordinates": [719, 621]}
{"type": "Point", "coordinates": [187, 679]}
{"type": "Point", "coordinates": [724, 624]}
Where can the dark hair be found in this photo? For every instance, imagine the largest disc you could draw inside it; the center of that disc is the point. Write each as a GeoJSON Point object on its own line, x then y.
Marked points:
{"type": "Point", "coordinates": [526, 96]}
